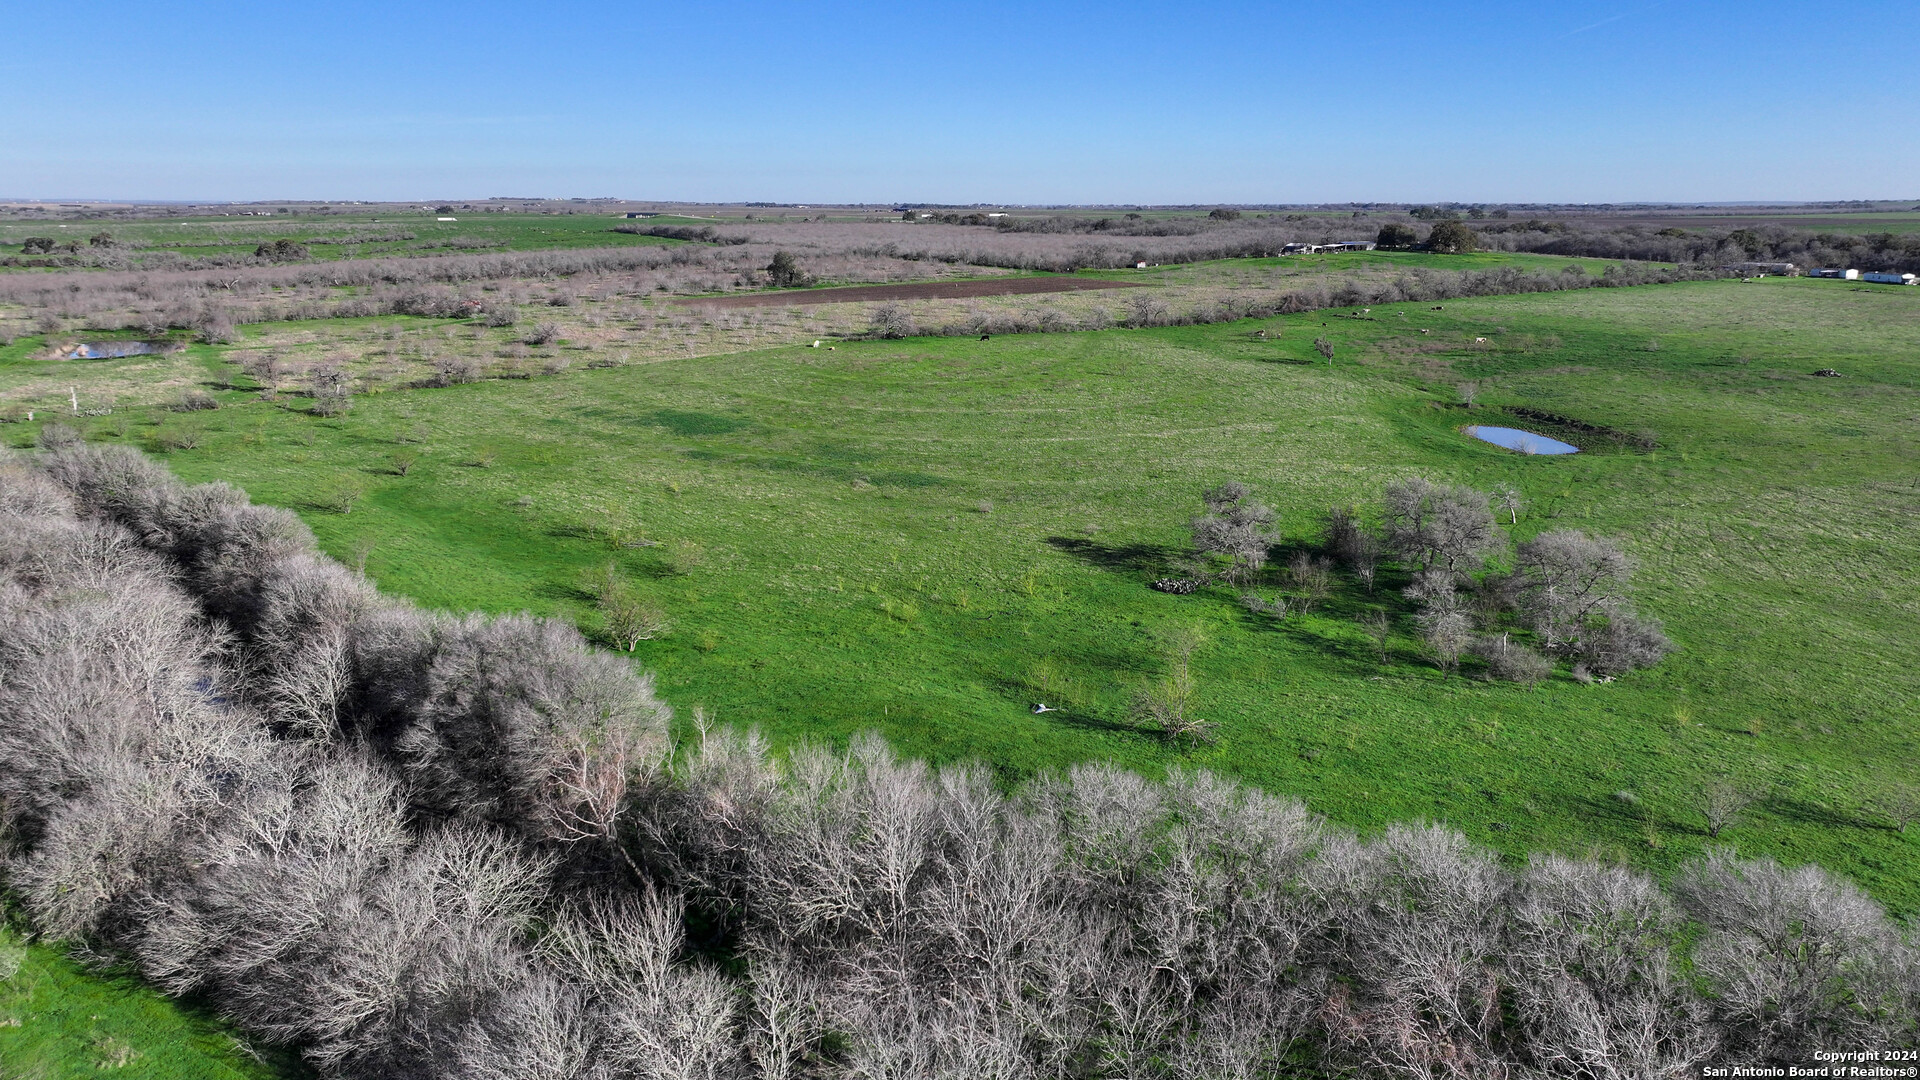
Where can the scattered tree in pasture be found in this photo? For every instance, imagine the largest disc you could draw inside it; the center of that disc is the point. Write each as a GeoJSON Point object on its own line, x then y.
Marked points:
{"type": "Point", "coordinates": [1467, 392]}
{"type": "Point", "coordinates": [1622, 641]}
{"type": "Point", "coordinates": [332, 390]}
{"type": "Point", "coordinates": [1312, 578]}
{"type": "Point", "coordinates": [628, 616]}
{"type": "Point", "coordinates": [1900, 804]}
{"type": "Point", "coordinates": [1353, 544]}
{"type": "Point", "coordinates": [1397, 236]}
{"type": "Point", "coordinates": [1324, 348]}
{"type": "Point", "coordinates": [785, 272]}
{"type": "Point", "coordinates": [1167, 702]}
{"type": "Point", "coordinates": [1507, 497]}
{"type": "Point", "coordinates": [1452, 238]}
{"type": "Point", "coordinates": [1722, 803]}
{"type": "Point", "coordinates": [1446, 628]}
{"type": "Point", "coordinates": [1379, 627]}
{"type": "Point", "coordinates": [1236, 527]}
{"type": "Point", "coordinates": [1435, 527]}
{"type": "Point", "coordinates": [1563, 579]}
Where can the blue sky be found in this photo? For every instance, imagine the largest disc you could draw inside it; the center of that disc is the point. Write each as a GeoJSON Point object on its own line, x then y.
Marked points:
{"type": "Point", "coordinates": [1583, 101]}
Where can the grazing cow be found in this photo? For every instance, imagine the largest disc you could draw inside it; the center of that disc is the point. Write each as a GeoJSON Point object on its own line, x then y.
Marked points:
{"type": "Point", "coordinates": [984, 337]}
{"type": "Point", "coordinates": [1043, 707]}
{"type": "Point", "coordinates": [1479, 341]}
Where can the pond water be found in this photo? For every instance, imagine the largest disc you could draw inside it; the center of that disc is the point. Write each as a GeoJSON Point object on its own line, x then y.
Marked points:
{"type": "Point", "coordinates": [107, 350]}
{"type": "Point", "coordinates": [1526, 442]}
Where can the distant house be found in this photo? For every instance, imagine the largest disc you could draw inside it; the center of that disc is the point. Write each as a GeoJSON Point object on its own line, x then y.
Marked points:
{"type": "Point", "coordinates": [1763, 269]}
{"type": "Point", "coordinates": [1889, 279]}
{"type": "Point", "coordinates": [1844, 275]}
{"type": "Point", "coordinates": [1338, 245]}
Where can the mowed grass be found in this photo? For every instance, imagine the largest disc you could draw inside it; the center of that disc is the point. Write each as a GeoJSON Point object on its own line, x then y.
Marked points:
{"type": "Point", "coordinates": [918, 536]}
{"type": "Point", "coordinates": [60, 1020]}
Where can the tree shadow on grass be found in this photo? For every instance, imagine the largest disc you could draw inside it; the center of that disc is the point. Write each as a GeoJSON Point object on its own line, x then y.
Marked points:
{"type": "Point", "coordinates": [1127, 558]}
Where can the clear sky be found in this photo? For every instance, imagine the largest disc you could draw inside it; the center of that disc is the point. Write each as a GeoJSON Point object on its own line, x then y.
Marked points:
{"type": "Point", "coordinates": [1041, 102]}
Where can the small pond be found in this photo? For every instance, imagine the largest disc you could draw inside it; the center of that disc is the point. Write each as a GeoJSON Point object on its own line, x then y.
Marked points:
{"type": "Point", "coordinates": [108, 350]}
{"type": "Point", "coordinates": [1526, 442]}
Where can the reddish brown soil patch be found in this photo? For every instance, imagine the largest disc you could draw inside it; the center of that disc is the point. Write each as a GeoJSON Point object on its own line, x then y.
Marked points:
{"type": "Point", "coordinates": [921, 290]}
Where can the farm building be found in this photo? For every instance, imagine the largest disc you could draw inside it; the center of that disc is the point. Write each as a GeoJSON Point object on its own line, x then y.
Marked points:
{"type": "Point", "coordinates": [1889, 279]}
{"type": "Point", "coordinates": [1844, 275]}
{"type": "Point", "coordinates": [1338, 245]}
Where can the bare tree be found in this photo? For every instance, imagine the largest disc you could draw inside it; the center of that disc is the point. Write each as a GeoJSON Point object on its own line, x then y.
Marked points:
{"type": "Point", "coordinates": [1446, 628]}
{"type": "Point", "coordinates": [1565, 578]}
{"type": "Point", "coordinates": [1237, 527]}
{"type": "Point", "coordinates": [1722, 803]}
{"type": "Point", "coordinates": [1900, 804]}
{"type": "Point", "coordinates": [1439, 527]}
{"type": "Point", "coordinates": [891, 320]}
{"type": "Point", "coordinates": [1507, 497]}
{"type": "Point", "coordinates": [1313, 577]}
{"type": "Point", "coordinates": [1168, 702]}
{"type": "Point", "coordinates": [627, 616]}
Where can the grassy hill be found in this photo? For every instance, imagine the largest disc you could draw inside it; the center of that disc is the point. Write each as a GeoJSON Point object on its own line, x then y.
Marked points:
{"type": "Point", "coordinates": [925, 536]}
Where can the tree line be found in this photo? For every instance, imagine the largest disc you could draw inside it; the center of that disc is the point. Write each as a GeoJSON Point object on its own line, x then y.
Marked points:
{"type": "Point", "coordinates": [427, 845]}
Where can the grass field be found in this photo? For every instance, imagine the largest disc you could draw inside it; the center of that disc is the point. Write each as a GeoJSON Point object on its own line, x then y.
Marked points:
{"type": "Point", "coordinates": [916, 536]}
{"type": "Point", "coordinates": [60, 1021]}
{"type": "Point", "coordinates": [349, 235]}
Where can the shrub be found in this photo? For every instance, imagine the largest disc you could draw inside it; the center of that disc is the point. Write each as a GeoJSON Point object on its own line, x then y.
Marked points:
{"type": "Point", "coordinates": [196, 401]}
{"type": "Point", "coordinates": [891, 320]}
{"type": "Point", "coordinates": [1510, 662]}
{"type": "Point", "coordinates": [282, 250]}
{"type": "Point", "coordinates": [545, 333]}
{"type": "Point", "coordinates": [1623, 642]}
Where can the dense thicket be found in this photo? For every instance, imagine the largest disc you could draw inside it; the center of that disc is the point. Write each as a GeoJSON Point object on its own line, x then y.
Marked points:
{"type": "Point", "coordinates": [458, 847]}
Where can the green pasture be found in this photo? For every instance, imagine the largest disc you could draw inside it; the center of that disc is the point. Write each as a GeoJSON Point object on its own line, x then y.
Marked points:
{"type": "Point", "coordinates": [60, 1020]}
{"type": "Point", "coordinates": [929, 536]}
{"type": "Point", "coordinates": [1362, 263]}
{"type": "Point", "coordinates": [473, 231]}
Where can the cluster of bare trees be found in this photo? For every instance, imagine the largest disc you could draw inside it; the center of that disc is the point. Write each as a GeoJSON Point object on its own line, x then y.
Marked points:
{"type": "Point", "coordinates": [1566, 591]}
{"type": "Point", "coordinates": [416, 845]}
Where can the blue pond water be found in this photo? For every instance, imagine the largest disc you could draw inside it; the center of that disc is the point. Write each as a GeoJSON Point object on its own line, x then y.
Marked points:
{"type": "Point", "coordinates": [1526, 442]}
